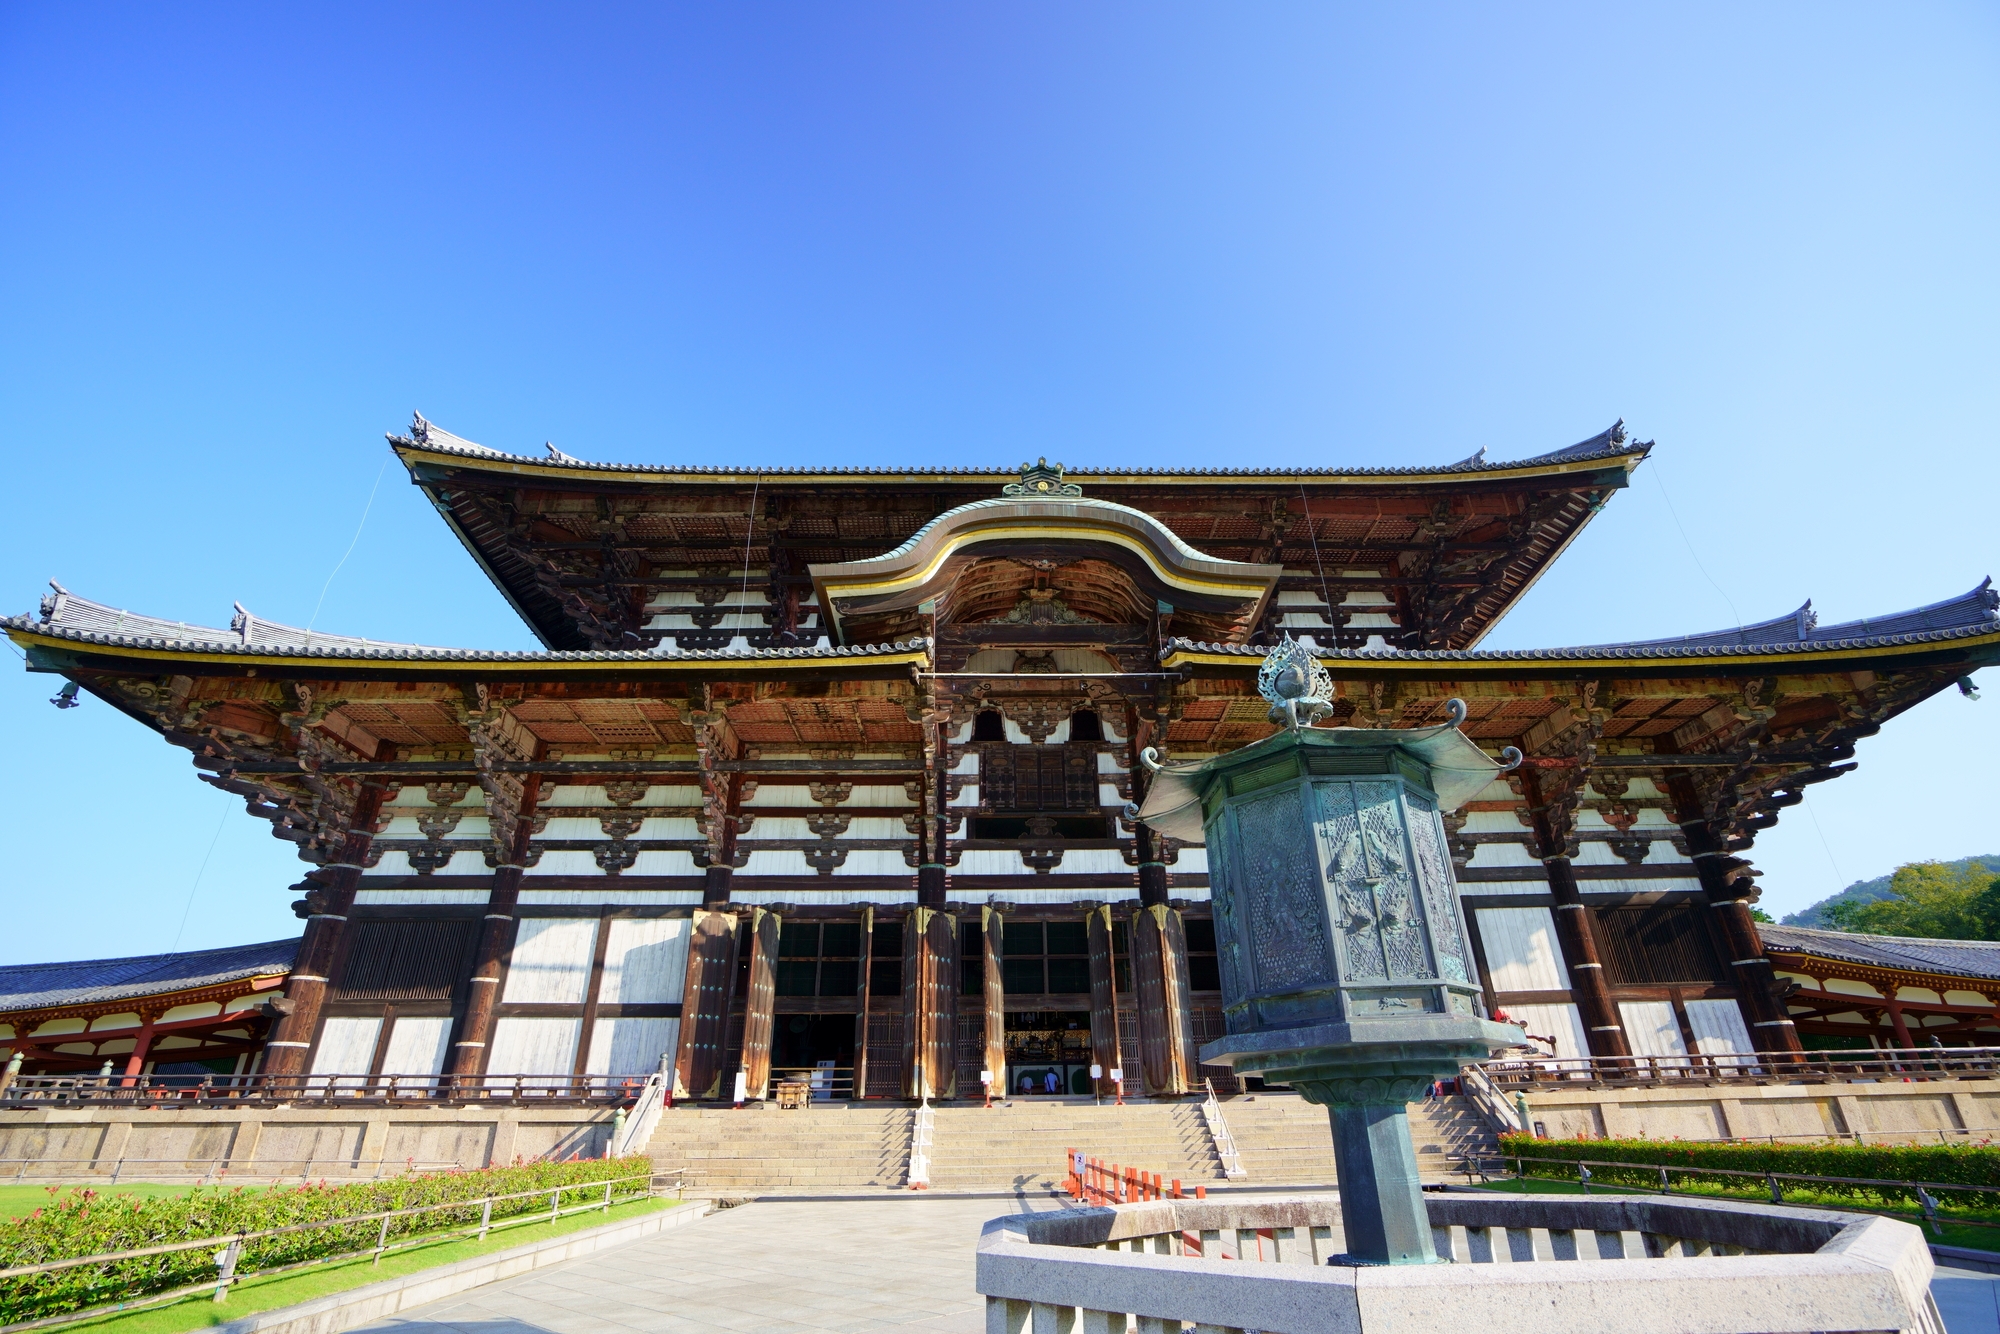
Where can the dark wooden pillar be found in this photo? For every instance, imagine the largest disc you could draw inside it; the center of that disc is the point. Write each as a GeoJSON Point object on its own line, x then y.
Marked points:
{"type": "Point", "coordinates": [864, 993]}
{"type": "Point", "coordinates": [760, 1002]}
{"type": "Point", "coordinates": [326, 930]}
{"type": "Point", "coordinates": [1103, 996]}
{"type": "Point", "coordinates": [930, 1003]}
{"type": "Point", "coordinates": [1576, 932]}
{"type": "Point", "coordinates": [1771, 1027]}
{"type": "Point", "coordinates": [1166, 1018]}
{"type": "Point", "coordinates": [933, 878]}
{"type": "Point", "coordinates": [993, 937]}
{"type": "Point", "coordinates": [496, 939]}
{"type": "Point", "coordinates": [711, 974]}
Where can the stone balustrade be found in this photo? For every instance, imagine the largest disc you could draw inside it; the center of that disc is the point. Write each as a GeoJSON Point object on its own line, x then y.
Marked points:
{"type": "Point", "coordinates": [1627, 1263]}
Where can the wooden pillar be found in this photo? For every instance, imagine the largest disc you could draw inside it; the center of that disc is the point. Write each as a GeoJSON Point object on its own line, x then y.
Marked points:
{"type": "Point", "coordinates": [325, 932]}
{"type": "Point", "coordinates": [1103, 996]}
{"type": "Point", "coordinates": [864, 993]}
{"type": "Point", "coordinates": [1576, 931]}
{"type": "Point", "coordinates": [136, 1063]}
{"type": "Point", "coordinates": [1577, 934]}
{"type": "Point", "coordinates": [705, 997]}
{"type": "Point", "coordinates": [1166, 1019]}
{"type": "Point", "coordinates": [933, 877]}
{"type": "Point", "coordinates": [1897, 1022]}
{"type": "Point", "coordinates": [496, 940]}
{"type": "Point", "coordinates": [930, 1003]}
{"type": "Point", "coordinates": [1771, 1027]}
{"type": "Point", "coordinates": [760, 1002]}
{"type": "Point", "coordinates": [993, 937]}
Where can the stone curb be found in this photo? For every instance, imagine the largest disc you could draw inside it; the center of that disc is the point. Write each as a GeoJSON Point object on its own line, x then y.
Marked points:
{"type": "Point", "coordinates": [359, 1306]}
{"type": "Point", "coordinates": [1963, 1257]}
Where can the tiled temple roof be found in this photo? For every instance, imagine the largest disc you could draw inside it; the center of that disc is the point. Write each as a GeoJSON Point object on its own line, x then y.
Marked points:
{"type": "Point", "coordinates": [1607, 444]}
{"type": "Point", "coordinates": [43, 986]}
{"type": "Point", "coordinates": [67, 616]}
{"type": "Point", "coordinates": [1955, 958]}
{"type": "Point", "coordinates": [1968, 616]}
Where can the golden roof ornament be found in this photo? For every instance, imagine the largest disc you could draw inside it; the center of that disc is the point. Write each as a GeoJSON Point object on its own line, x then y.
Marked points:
{"type": "Point", "coordinates": [1041, 480]}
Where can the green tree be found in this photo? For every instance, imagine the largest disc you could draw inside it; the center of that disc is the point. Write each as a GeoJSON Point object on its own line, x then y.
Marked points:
{"type": "Point", "coordinates": [1930, 899]}
{"type": "Point", "coordinates": [1759, 915]}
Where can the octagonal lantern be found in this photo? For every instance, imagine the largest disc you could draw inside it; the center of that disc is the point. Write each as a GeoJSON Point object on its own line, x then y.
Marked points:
{"type": "Point", "coordinates": [1346, 971]}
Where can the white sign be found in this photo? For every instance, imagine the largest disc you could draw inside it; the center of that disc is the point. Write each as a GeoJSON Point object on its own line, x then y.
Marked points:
{"type": "Point", "coordinates": [742, 1086]}
{"type": "Point", "coordinates": [1117, 1076]}
{"type": "Point", "coordinates": [1097, 1072]}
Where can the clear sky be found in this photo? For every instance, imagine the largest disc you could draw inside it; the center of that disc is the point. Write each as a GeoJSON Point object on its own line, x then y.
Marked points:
{"type": "Point", "coordinates": [237, 244]}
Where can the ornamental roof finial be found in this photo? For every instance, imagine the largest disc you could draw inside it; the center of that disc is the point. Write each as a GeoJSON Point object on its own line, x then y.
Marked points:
{"type": "Point", "coordinates": [1041, 480]}
{"type": "Point", "coordinates": [1296, 684]}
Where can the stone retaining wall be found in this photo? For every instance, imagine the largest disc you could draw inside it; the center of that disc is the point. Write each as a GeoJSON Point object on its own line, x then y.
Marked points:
{"type": "Point", "coordinates": [1886, 1112]}
{"type": "Point", "coordinates": [263, 1142]}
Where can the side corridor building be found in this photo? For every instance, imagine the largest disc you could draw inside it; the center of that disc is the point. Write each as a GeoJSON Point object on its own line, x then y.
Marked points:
{"type": "Point", "coordinates": [830, 769]}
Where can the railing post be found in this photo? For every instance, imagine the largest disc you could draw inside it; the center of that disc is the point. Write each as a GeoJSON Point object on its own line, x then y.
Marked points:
{"type": "Point", "coordinates": [226, 1267]}
{"type": "Point", "coordinates": [485, 1219]}
{"type": "Point", "coordinates": [382, 1239]}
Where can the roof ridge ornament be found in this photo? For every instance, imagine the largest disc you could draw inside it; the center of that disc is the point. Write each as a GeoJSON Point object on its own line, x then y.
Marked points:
{"type": "Point", "coordinates": [1295, 683]}
{"type": "Point", "coordinates": [1041, 480]}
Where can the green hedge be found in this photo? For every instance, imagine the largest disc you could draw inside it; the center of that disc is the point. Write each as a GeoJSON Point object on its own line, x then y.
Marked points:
{"type": "Point", "coordinates": [87, 1222]}
{"type": "Point", "coordinates": [1950, 1164]}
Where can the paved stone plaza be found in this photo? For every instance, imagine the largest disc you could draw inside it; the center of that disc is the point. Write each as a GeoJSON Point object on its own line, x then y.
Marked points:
{"type": "Point", "coordinates": [847, 1266]}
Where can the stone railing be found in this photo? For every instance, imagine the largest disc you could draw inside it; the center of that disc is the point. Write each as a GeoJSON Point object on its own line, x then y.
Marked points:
{"type": "Point", "coordinates": [1627, 1263]}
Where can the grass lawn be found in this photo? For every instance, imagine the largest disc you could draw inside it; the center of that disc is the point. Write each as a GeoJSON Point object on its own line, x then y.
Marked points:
{"type": "Point", "coordinates": [303, 1285]}
{"type": "Point", "coordinates": [1955, 1234]}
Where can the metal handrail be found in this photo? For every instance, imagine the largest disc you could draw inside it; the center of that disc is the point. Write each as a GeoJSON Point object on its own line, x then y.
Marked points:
{"type": "Point", "coordinates": [1911, 1063]}
{"type": "Point", "coordinates": [1487, 1099]}
{"type": "Point", "coordinates": [923, 1128]}
{"type": "Point", "coordinates": [1226, 1151]}
{"type": "Point", "coordinates": [635, 1125]}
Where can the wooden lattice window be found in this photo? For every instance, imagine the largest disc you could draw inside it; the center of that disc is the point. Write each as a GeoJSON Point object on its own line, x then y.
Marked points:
{"type": "Point", "coordinates": [1655, 945]}
{"type": "Point", "coordinates": [1038, 778]}
{"type": "Point", "coordinates": [402, 960]}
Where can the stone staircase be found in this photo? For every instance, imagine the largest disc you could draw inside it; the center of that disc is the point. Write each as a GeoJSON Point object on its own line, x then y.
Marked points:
{"type": "Point", "coordinates": [827, 1147]}
{"type": "Point", "coordinates": [1019, 1144]}
{"type": "Point", "coordinates": [834, 1148]}
{"type": "Point", "coordinates": [1285, 1141]}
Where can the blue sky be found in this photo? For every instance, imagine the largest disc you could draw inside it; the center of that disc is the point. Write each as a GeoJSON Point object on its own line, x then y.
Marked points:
{"type": "Point", "coordinates": [237, 244]}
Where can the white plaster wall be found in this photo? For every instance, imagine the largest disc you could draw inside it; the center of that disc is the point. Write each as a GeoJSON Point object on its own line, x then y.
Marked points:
{"type": "Point", "coordinates": [422, 895]}
{"type": "Point", "coordinates": [417, 1045]}
{"type": "Point", "coordinates": [873, 861]}
{"type": "Point", "coordinates": [550, 961]}
{"type": "Point", "coordinates": [346, 1046]}
{"type": "Point", "coordinates": [533, 1046]}
{"type": "Point", "coordinates": [659, 898]}
{"type": "Point", "coordinates": [1719, 1030]}
{"type": "Point", "coordinates": [767, 861]}
{"type": "Point", "coordinates": [1521, 949]}
{"type": "Point", "coordinates": [630, 1046]}
{"type": "Point", "coordinates": [645, 961]}
{"type": "Point", "coordinates": [1561, 1022]}
{"type": "Point", "coordinates": [1651, 1029]}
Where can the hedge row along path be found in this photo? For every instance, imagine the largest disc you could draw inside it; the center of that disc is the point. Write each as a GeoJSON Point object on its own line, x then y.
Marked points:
{"type": "Point", "coordinates": [78, 1254]}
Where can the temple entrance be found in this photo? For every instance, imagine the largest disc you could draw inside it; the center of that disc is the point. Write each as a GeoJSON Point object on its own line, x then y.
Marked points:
{"type": "Point", "coordinates": [817, 1049]}
{"type": "Point", "coordinates": [1048, 1053]}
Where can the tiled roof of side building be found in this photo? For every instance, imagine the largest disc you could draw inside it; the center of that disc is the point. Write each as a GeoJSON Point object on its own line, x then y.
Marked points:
{"type": "Point", "coordinates": [67, 616]}
{"type": "Point", "coordinates": [1968, 616]}
{"type": "Point", "coordinates": [1607, 444]}
{"type": "Point", "coordinates": [43, 986]}
{"type": "Point", "coordinates": [1954, 958]}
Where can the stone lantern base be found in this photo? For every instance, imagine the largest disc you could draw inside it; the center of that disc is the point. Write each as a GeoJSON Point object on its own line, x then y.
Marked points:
{"type": "Point", "coordinates": [1366, 1072]}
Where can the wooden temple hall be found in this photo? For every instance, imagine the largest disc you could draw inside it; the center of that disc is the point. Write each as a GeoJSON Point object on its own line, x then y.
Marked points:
{"type": "Point", "coordinates": [830, 769]}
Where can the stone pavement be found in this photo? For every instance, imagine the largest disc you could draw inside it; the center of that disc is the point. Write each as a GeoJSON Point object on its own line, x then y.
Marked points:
{"type": "Point", "coordinates": [904, 1263]}
{"type": "Point", "coordinates": [784, 1266]}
